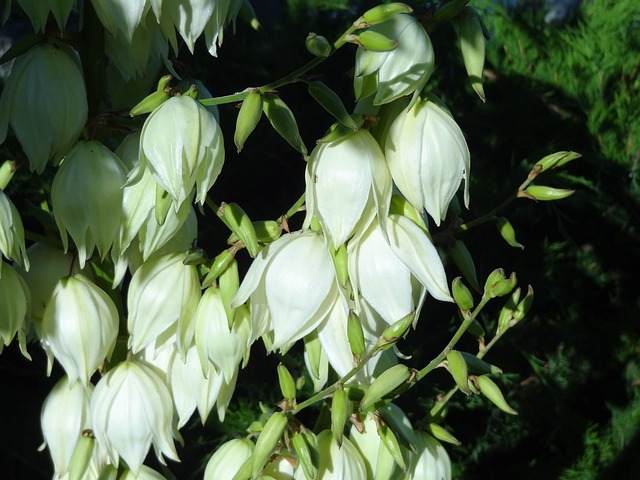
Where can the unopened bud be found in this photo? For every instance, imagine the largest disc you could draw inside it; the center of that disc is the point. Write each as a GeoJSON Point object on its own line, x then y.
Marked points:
{"type": "Point", "coordinates": [544, 193]}
{"type": "Point", "coordinates": [341, 263]}
{"type": "Point", "coordinates": [386, 383]}
{"type": "Point", "coordinates": [355, 334]}
{"type": "Point", "coordinates": [472, 45]}
{"type": "Point", "coordinates": [507, 232]}
{"type": "Point", "coordinates": [439, 432]}
{"type": "Point", "coordinates": [163, 83]}
{"type": "Point", "coordinates": [490, 390]}
{"type": "Point", "coordinates": [81, 455]}
{"type": "Point", "coordinates": [283, 121]}
{"type": "Point", "coordinates": [267, 441]}
{"type": "Point", "coordinates": [556, 160]}
{"type": "Point", "coordinates": [461, 294]}
{"type": "Point", "coordinates": [462, 258]}
{"type": "Point", "coordinates": [373, 41]}
{"type": "Point", "coordinates": [396, 330]}
{"type": "Point", "coordinates": [317, 45]}
{"type": "Point", "coordinates": [498, 285]}
{"type": "Point", "coordinates": [382, 13]}
{"type": "Point", "coordinates": [340, 412]}
{"type": "Point", "coordinates": [303, 449]}
{"type": "Point", "coordinates": [477, 366]}
{"type": "Point", "coordinates": [287, 383]}
{"type": "Point", "coordinates": [458, 369]}
{"type": "Point", "coordinates": [219, 265]}
{"type": "Point", "coordinates": [331, 102]}
{"type": "Point", "coordinates": [248, 118]}
{"type": "Point", "coordinates": [390, 442]}
{"type": "Point", "coordinates": [239, 223]}
{"type": "Point", "coordinates": [524, 306]}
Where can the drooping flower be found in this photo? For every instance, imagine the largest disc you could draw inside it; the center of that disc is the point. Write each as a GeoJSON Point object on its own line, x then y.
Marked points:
{"type": "Point", "coordinates": [86, 195]}
{"type": "Point", "coordinates": [431, 460]}
{"type": "Point", "coordinates": [45, 129]}
{"type": "Point", "coordinates": [228, 458]}
{"type": "Point", "coordinates": [337, 462]}
{"type": "Point", "coordinates": [38, 12]}
{"type": "Point", "coordinates": [131, 409]}
{"type": "Point", "coordinates": [428, 157]}
{"type": "Point", "coordinates": [181, 144]}
{"type": "Point", "coordinates": [393, 74]}
{"type": "Point", "coordinates": [14, 307]}
{"type": "Point", "coordinates": [291, 287]}
{"type": "Point", "coordinates": [11, 233]}
{"type": "Point", "coordinates": [79, 327]}
{"type": "Point", "coordinates": [65, 413]}
{"type": "Point", "coordinates": [348, 182]}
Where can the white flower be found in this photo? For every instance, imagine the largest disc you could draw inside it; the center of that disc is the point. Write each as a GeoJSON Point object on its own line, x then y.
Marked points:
{"type": "Point", "coordinates": [162, 299]}
{"type": "Point", "coordinates": [431, 462]}
{"type": "Point", "coordinates": [11, 233]}
{"type": "Point", "coordinates": [344, 179]}
{"type": "Point", "coordinates": [145, 473]}
{"type": "Point", "coordinates": [131, 409]}
{"type": "Point", "coordinates": [65, 413]}
{"type": "Point", "coordinates": [14, 307]}
{"type": "Point", "coordinates": [122, 16]}
{"type": "Point", "coordinates": [337, 462]}
{"type": "Point", "coordinates": [228, 458]}
{"type": "Point", "coordinates": [182, 145]}
{"type": "Point", "coordinates": [398, 72]}
{"type": "Point", "coordinates": [428, 157]}
{"type": "Point", "coordinates": [392, 275]}
{"type": "Point", "coordinates": [45, 129]}
{"type": "Point", "coordinates": [290, 284]}
{"type": "Point", "coordinates": [86, 195]}
{"type": "Point", "coordinates": [80, 326]}
{"type": "Point", "coordinates": [376, 456]}
{"type": "Point", "coordinates": [38, 12]}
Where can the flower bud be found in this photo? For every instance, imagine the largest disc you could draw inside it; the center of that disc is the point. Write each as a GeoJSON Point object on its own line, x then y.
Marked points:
{"type": "Point", "coordinates": [341, 264]}
{"type": "Point", "coordinates": [11, 233]}
{"type": "Point", "coordinates": [239, 223]}
{"type": "Point", "coordinates": [7, 171]}
{"type": "Point", "coordinates": [304, 444]}
{"type": "Point", "coordinates": [461, 294]}
{"type": "Point", "coordinates": [472, 45]}
{"type": "Point", "coordinates": [402, 71]}
{"type": "Point", "coordinates": [131, 409]}
{"type": "Point", "coordinates": [149, 103]}
{"type": "Point", "coordinates": [398, 421]}
{"type": "Point", "coordinates": [505, 319]}
{"type": "Point", "coordinates": [490, 390]}
{"type": "Point", "coordinates": [122, 16]}
{"type": "Point", "coordinates": [428, 157]}
{"type": "Point", "coordinates": [228, 458]}
{"type": "Point", "coordinates": [439, 432]}
{"type": "Point", "coordinates": [317, 45]}
{"type": "Point", "coordinates": [38, 12]}
{"type": "Point", "coordinates": [355, 334]}
{"type": "Point", "coordinates": [463, 260]}
{"type": "Point", "coordinates": [524, 306]}
{"type": "Point", "coordinates": [65, 413]}
{"type": "Point", "coordinates": [458, 369]}
{"type": "Point", "coordinates": [52, 72]}
{"type": "Point", "coordinates": [86, 196]}
{"type": "Point", "coordinates": [556, 160]}
{"type": "Point", "coordinates": [80, 326]}
{"type": "Point", "coordinates": [507, 232]}
{"type": "Point", "coordinates": [283, 121]}
{"type": "Point", "coordinates": [402, 206]}
{"type": "Point", "coordinates": [341, 408]}
{"type": "Point", "coordinates": [82, 455]}
{"type": "Point", "coordinates": [498, 285]}
{"type": "Point", "coordinates": [382, 13]}
{"type": "Point", "coordinates": [386, 383]}
{"type": "Point", "coordinates": [331, 102]}
{"type": "Point", "coordinates": [478, 366]}
{"type": "Point", "coordinates": [367, 439]}
{"type": "Point", "coordinates": [544, 193]}
{"type": "Point", "coordinates": [287, 383]}
{"type": "Point", "coordinates": [390, 442]}
{"type": "Point", "coordinates": [218, 266]}
{"type": "Point", "coordinates": [267, 441]}
{"type": "Point", "coordinates": [373, 41]}
{"type": "Point", "coordinates": [248, 118]}
{"type": "Point", "coordinates": [397, 329]}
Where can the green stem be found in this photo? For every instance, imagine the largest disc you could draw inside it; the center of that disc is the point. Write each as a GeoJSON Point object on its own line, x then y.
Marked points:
{"type": "Point", "coordinates": [287, 79]}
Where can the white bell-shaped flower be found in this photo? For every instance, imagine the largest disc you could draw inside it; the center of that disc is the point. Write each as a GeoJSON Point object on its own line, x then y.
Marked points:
{"type": "Point", "coordinates": [162, 300]}
{"type": "Point", "coordinates": [337, 462]}
{"type": "Point", "coordinates": [45, 129]}
{"type": "Point", "coordinates": [345, 178]}
{"type": "Point", "coordinates": [393, 74]}
{"type": "Point", "coordinates": [289, 301]}
{"type": "Point", "coordinates": [376, 456]}
{"type": "Point", "coordinates": [131, 409]}
{"type": "Point", "coordinates": [121, 16]}
{"type": "Point", "coordinates": [145, 473]}
{"type": "Point", "coordinates": [431, 460]}
{"type": "Point", "coordinates": [80, 326]}
{"type": "Point", "coordinates": [392, 274]}
{"type": "Point", "coordinates": [65, 413]}
{"type": "Point", "coordinates": [428, 157]}
{"type": "Point", "coordinates": [182, 145]}
{"type": "Point", "coordinates": [86, 195]}
{"type": "Point", "coordinates": [228, 458]}
{"type": "Point", "coordinates": [14, 307]}
{"type": "Point", "coordinates": [11, 233]}
{"type": "Point", "coordinates": [38, 12]}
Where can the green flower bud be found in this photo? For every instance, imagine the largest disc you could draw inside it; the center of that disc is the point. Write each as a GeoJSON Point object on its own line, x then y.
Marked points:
{"type": "Point", "coordinates": [461, 294]}
{"type": "Point", "coordinates": [355, 334]}
{"type": "Point", "coordinates": [340, 261]}
{"type": "Point", "coordinates": [439, 432]}
{"type": "Point", "coordinates": [490, 390]}
{"type": "Point", "coordinates": [283, 121]}
{"type": "Point", "coordinates": [505, 319]}
{"type": "Point", "coordinates": [497, 285]}
{"type": "Point", "coordinates": [478, 366]}
{"type": "Point", "coordinates": [287, 383]}
{"type": "Point", "coordinates": [390, 442]}
{"type": "Point", "coordinates": [382, 13]}
{"type": "Point", "coordinates": [396, 330]}
{"type": "Point", "coordinates": [524, 306]}
{"type": "Point", "coordinates": [544, 193]}
{"type": "Point", "coordinates": [163, 83]}
{"type": "Point", "coordinates": [219, 265]}
{"type": "Point", "coordinates": [229, 283]}
{"type": "Point", "coordinates": [150, 103]}
{"type": "Point", "coordinates": [401, 206]}
{"type": "Point", "coordinates": [81, 455]}
{"type": "Point", "coordinates": [458, 369]}
{"type": "Point", "coordinates": [472, 45]}
{"type": "Point", "coordinates": [108, 472]}
{"type": "Point", "coordinates": [248, 118]}
{"type": "Point", "coordinates": [7, 170]}
{"type": "Point", "coordinates": [462, 258]}
{"type": "Point", "coordinates": [507, 232]}
{"type": "Point", "coordinates": [340, 411]}
{"type": "Point", "coordinates": [556, 160]}
{"type": "Point", "coordinates": [38, 12]}
{"type": "Point", "coordinates": [304, 444]}
{"type": "Point", "coordinates": [317, 45]}
{"type": "Point", "coordinates": [476, 330]}
{"type": "Point", "coordinates": [267, 441]}
{"type": "Point", "coordinates": [331, 102]}
{"type": "Point", "coordinates": [239, 223]}
{"type": "Point", "coordinates": [386, 383]}
{"type": "Point", "coordinates": [373, 41]}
